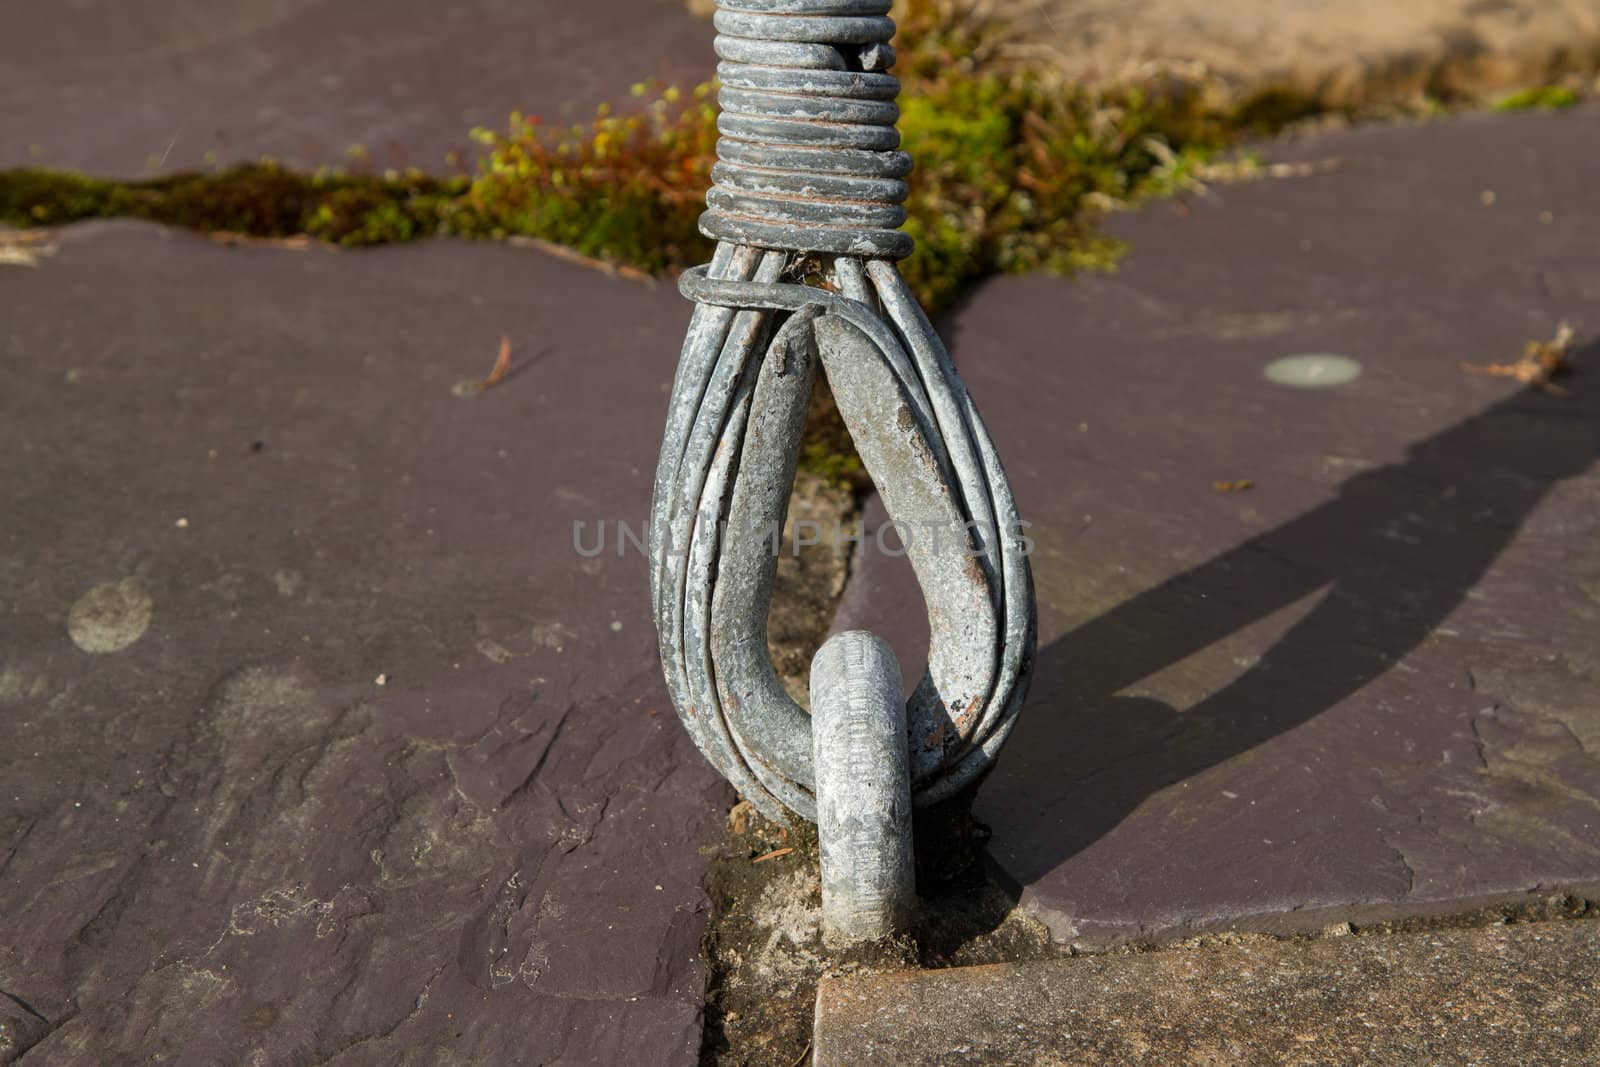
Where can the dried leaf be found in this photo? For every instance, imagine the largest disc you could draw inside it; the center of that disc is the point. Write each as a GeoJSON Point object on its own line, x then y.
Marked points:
{"type": "Point", "coordinates": [1243, 485]}
{"type": "Point", "coordinates": [24, 248]}
{"type": "Point", "coordinates": [502, 365]}
{"type": "Point", "coordinates": [27, 237]}
{"type": "Point", "coordinates": [467, 388]}
{"type": "Point", "coordinates": [1540, 363]}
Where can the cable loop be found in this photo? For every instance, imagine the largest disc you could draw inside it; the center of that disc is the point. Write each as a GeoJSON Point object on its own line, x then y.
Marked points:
{"type": "Point", "coordinates": [806, 209]}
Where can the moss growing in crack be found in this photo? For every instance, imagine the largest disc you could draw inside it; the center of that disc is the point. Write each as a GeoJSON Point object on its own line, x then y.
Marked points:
{"type": "Point", "coordinates": [627, 188]}
{"type": "Point", "coordinates": [258, 199]}
{"type": "Point", "coordinates": [1544, 98]}
{"type": "Point", "coordinates": [1012, 169]}
{"type": "Point", "coordinates": [827, 449]}
{"type": "Point", "coordinates": [1271, 110]}
{"type": "Point", "coordinates": [1009, 170]}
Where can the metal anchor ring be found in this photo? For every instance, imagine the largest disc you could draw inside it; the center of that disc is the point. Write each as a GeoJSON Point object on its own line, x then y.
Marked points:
{"type": "Point", "coordinates": [807, 149]}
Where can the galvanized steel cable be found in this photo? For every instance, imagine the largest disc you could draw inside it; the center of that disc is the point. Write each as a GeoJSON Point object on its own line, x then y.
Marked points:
{"type": "Point", "coordinates": [809, 179]}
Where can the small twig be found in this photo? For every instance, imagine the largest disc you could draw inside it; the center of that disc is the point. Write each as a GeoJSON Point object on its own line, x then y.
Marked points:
{"type": "Point", "coordinates": [803, 1054]}
{"type": "Point", "coordinates": [774, 854]}
{"type": "Point", "coordinates": [296, 242]}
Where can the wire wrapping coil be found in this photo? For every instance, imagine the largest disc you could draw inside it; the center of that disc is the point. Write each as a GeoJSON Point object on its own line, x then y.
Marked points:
{"type": "Point", "coordinates": [808, 155]}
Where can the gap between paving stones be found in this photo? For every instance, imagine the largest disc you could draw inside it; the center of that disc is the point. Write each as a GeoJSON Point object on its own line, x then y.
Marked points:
{"type": "Point", "coordinates": [1013, 163]}
{"type": "Point", "coordinates": [1495, 994]}
{"type": "Point", "coordinates": [765, 945]}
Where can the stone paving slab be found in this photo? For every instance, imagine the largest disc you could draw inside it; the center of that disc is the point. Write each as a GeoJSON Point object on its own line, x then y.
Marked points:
{"type": "Point", "coordinates": [322, 743]}
{"type": "Point", "coordinates": [1338, 52]}
{"type": "Point", "coordinates": [126, 90]}
{"type": "Point", "coordinates": [1369, 685]}
{"type": "Point", "coordinates": [1519, 994]}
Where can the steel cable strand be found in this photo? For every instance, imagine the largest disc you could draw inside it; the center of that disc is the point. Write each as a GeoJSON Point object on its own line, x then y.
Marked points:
{"type": "Point", "coordinates": [714, 364]}
{"type": "Point", "coordinates": [973, 730]}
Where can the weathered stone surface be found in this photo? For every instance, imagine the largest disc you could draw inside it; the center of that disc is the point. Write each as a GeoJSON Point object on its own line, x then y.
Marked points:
{"type": "Point", "coordinates": [1339, 52]}
{"type": "Point", "coordinates": [1505, 994]}
{"type": "Point", "coordinates": [127, 89]}
{"type": "Point", "coordinates": [1370, 684]}
{"type": "Point", "coordinates": [387, 774]}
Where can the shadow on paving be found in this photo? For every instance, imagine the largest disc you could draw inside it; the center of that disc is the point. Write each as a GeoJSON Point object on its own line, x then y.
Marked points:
{"type": "Point", "coordinates": [1396, 552]}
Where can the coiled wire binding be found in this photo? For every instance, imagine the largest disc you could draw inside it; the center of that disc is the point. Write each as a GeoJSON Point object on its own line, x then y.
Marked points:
{"type": "Point", "coordinates": [808, 157]}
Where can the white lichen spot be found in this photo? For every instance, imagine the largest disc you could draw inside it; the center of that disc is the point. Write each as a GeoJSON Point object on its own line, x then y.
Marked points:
{"type": "Point", "coordinates": [111, 616]}
{"type": "Point", "coordinates": [1312, 370]}
{"type": "Point", "coordinates": [13, 685]}
{"type": "Point", "coordinates": [494, 651]}
{"type": "Point", "coordinates": [551, 635]}
{"type": "Point", "coordinates": [789, 910]}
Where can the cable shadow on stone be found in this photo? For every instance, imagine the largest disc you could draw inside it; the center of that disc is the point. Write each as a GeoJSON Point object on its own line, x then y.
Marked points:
{"type": "Point", "coordinates": [1392, 556]}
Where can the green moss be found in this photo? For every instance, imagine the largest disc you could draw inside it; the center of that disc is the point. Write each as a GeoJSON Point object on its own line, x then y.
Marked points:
{"type": "Point", "coordinates": [1013, 169]}
{"type": "Point", "coordinates": [1008, 169]}
{"type": "Point", "coordinates": [1273, 109]}
{"type": "Point", "coordinates": [259, 200]}
{"type": "Point", "coordinates": [827, 450]}
{"type": "Point", "coordinates": [624, 188]}
{"type": "Point", "coordinates": [1544, 98]}
{"type": "Point", "coordinates": [840, 469]}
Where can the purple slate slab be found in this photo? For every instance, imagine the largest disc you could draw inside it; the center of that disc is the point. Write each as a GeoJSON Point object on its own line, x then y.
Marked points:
{"type": "Point", "coordinates": [132, 89]}
{"type": "Point", "coordinates": [390, 776]}
{"type": "Point", "coordinates": [1370, 685]}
